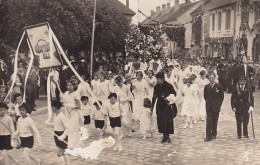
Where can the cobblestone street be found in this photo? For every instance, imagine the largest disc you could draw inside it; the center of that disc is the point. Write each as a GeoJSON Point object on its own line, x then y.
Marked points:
{"type": "Point", "coordinates": [188, 144]}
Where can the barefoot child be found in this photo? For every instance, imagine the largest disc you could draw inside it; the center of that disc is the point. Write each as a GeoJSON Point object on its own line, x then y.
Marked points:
{"type": "Point", "coordinates": [6, 131]}
{"type": "Point", "coordinates": [114, 114]}
{"type": "Point", "coordinates": [60, 125]}
{"type": "Point", "coordinates": [27, 130]}
{"type": "Point", "coordinates": [99, 119]}
{"type": "Point", "coordinates": [86, 111]}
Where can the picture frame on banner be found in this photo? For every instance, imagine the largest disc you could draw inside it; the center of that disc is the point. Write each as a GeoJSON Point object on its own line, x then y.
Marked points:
{"type": "Point", "coordinates": [42, 45]}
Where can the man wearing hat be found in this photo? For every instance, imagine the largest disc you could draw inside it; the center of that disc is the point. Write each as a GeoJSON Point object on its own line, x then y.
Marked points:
{"type": "Point", "coordinates": [164, 110]}
{"type": "Point", "coordinates": [242, 103]}
{"type": "Point", "coordinates": [244, 70]}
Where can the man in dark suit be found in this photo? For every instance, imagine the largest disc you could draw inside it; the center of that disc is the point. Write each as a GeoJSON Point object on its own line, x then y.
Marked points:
{"type": "Point", "coordinates": [242, 103]}
{"type": "Point", "coordinates": [214, 96]}
{"type": "Point", "coordinates": [243, 70]}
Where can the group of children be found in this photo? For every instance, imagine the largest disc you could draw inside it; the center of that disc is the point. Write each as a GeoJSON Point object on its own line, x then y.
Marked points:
{"type": "Point", "coordinates": [22, 136]}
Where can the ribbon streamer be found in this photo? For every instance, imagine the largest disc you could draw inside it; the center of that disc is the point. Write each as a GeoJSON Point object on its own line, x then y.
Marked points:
{"type": "Point", "coordinates": [28, 71]}
{"type": "Point", "coordinates": [73, 69]}
{"type": "Point", "coordinates": [15, 67]}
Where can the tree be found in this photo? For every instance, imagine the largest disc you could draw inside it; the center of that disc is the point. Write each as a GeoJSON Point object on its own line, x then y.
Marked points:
{"type": "Point", "coordinates": [71, 21]}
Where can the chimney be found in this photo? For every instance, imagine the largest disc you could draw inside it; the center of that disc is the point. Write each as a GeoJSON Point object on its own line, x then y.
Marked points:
{"type": "Point", "coordinates": [152, 12]}
{"type": "Point", "coordinates": [168, 5]}
{"type": "Point", "coordinates": [158, 8]}
{"type": "Point", "coordinates": [163, 6]}
{"type": "Point", "coordinates": [176, 2]}
{"type": "Point", "coordinates": [127, 3]}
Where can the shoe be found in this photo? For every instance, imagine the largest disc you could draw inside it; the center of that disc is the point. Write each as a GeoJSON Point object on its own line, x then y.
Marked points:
{"type": "Point", "coordinates": [214, 137]}
{"type": "Point", "coordinates": [246, 136]}
{"type": "Point", "coordinates": [121, 136]}
{"type": "Point", "coordinates": [195, 122]}
{"type": "Point", "coordinates": [144, 137]}
{"type": "Point", "coordinates": [120, 148]}
{"type": "Point", "coordinates": [164, 140]}
{"type": "Point", "coordinates": [207, 139]}
{"type": "Point", "coordinates": [130, 133]}
{"type": "Point", "coordinates": [186, 125]}
{"type": "Point", "coordinates": [115, 148]}
{"type": "Point", "coordinates": [133, 130]}
{"type": "Point", "coordinates": [169, 140]}
{"type": "Point", "coordinates": [239, 137]}
{"type": "Point", "coordinates": [191, 126]}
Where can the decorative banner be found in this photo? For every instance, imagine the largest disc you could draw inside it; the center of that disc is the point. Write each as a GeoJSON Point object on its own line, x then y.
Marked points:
{"type": "Point", "coordinates": [42, 45]}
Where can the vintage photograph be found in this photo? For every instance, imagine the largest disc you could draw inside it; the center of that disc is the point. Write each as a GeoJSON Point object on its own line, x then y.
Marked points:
{"type": "Point", "coordinates": [129, 82]}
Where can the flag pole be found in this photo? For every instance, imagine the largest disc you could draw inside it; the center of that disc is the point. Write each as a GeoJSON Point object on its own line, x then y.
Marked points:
{"type": "Point", "coordinates": [92, 42]}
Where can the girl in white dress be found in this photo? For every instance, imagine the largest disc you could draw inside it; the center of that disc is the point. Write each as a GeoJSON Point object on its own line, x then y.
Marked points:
{"type": "Point", "coordinates": [201, 82]}
{"type": "Point", "coordinates": [190, 103]}
{"type": "Point", "coordinates": [72, 110]}
{"type": "Point", "coordinates": [124, 96]}
{"type": "Point", "coordinates": [140, 92]}
{"type": "Point", "coordinates": [146, 122]}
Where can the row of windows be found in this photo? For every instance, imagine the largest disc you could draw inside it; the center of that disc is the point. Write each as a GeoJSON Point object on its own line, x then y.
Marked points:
{"type": "Point", "coordinates": [228, 19]}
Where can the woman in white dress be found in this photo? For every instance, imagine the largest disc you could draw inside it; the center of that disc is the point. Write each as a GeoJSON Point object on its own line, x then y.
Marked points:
{"type": "Point", "coordinates": [201, 82]}
{"type": "Point", "coordinates": [71, 102]}
{"type": "Point", "coordinates": [124, 96]}
{"type": "Point", "coordinates": [151, 81]}
{"type": "Point", "coordinates": [190, 103]}
{"type": "Point", "coordinates": [140, 93]}
{"type": "Point", "coordinates": [103, 88]}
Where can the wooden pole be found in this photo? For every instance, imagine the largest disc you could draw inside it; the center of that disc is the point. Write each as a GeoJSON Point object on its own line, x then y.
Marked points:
{"type": "Point", "coordinates": [92, 42]}
{"type": "Point", "coordinates": [252, 121]}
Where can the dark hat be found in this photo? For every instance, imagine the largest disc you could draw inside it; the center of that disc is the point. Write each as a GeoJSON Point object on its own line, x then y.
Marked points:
{"type": "Point", "coordinates": [160, 75]}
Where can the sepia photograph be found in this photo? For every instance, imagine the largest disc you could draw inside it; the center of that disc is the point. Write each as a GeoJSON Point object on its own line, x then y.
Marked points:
{"type": "Point", "coordinates": [129, 82]}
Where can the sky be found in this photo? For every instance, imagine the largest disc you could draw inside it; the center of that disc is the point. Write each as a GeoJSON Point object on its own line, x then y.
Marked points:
{"type": "Point", "coordinates": [146, 6]}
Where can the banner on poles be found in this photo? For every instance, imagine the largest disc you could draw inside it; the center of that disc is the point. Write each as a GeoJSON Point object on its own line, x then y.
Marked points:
{"type": "Point", "coordinates": [42, 45]}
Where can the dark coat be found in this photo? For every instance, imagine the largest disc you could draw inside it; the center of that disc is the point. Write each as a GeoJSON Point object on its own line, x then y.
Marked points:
{"type": "Point", "coordinates": [242, 100]}
{"type": "Point", "coordinates": [165, 112]}
{"type": "Point", "coordinates": [214, 97]}
{"type": "Point", "coordinates": [160, 93]}
{"type": "Point", "coordinates": [240, 72]}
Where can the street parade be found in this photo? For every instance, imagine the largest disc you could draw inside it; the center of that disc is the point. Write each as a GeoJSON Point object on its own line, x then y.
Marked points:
{"type": "Point", "coordinates": [82, 83]}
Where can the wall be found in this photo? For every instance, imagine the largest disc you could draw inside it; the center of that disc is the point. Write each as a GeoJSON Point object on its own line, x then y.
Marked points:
{"type": "Point", "coordinates": [223, 32]}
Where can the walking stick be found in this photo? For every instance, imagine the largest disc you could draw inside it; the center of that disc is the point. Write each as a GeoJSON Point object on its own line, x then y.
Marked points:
{"type": "Point", "coordinates": [252, 124]}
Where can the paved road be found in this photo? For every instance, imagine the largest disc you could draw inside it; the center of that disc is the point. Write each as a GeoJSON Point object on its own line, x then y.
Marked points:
{"type": "Point", "coordinates": [188, 143]}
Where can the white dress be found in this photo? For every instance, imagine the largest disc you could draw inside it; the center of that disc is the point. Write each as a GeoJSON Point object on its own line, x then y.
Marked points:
{"type": "Point", "coordinates": [140, 93]}
{"type": "Point", "coordinates": [76, 119]}
{"type": "Point", "coordinates": [201, 83]}
{"type": "Point", "coordinates": [150, 88]}
{"type": "Point", "coordinates": [103, 90]}
{"type": "Point", "coordinates": [145, 120]}
{"type": "Point", "coordinates": [191, 101]}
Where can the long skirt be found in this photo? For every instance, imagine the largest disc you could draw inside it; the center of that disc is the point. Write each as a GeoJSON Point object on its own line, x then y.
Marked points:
{"type": "Point", "coordinates": [165, 123]}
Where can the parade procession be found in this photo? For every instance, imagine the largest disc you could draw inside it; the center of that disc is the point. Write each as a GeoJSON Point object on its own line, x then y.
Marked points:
{"type": "Point", "coordinates": [111, 82]}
